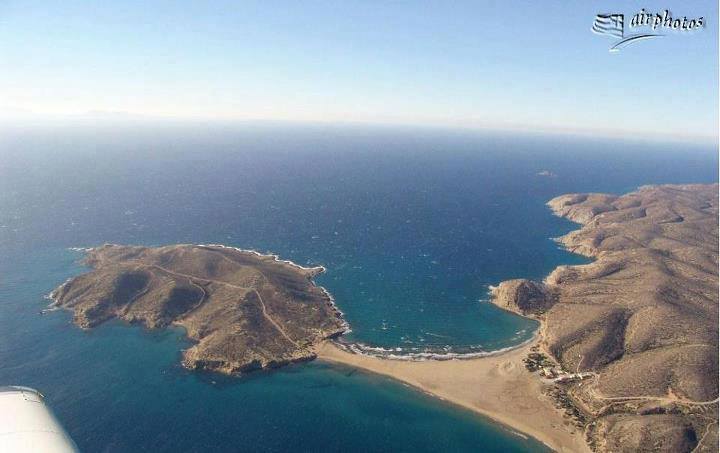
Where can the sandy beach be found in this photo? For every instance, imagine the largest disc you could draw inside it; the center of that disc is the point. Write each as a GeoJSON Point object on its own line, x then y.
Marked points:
{"type": "Point", "coordinates": [497, 386]}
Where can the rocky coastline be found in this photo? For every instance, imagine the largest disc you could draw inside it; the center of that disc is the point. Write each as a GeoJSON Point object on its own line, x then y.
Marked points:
{"type": "Point", "coordinates": [631, 339]}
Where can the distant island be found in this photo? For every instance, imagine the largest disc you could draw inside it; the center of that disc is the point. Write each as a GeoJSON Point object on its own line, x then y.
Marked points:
{"type": "Point", "coordinates": [244, 310]}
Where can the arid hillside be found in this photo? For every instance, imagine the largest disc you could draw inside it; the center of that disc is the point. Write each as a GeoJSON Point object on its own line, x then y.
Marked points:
{"type": "Point", "coordinates": [244, 310]}
{"type": "Point", "coordinates": [642, 317]}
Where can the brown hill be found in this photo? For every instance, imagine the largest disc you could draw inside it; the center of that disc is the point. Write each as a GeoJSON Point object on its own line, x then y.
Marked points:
{"type": "Point", "coordinates": [244, 310]}
{"type": "Point", "coordinates": [643, 317]}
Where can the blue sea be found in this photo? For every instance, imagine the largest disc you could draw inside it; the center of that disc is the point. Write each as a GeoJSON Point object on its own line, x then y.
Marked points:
{"type": "Point", "coordinates": [411, 224]}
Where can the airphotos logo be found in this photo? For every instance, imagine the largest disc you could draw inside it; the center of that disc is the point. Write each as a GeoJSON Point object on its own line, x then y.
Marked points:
{"type": "Point", "coordinates": [613, 25]}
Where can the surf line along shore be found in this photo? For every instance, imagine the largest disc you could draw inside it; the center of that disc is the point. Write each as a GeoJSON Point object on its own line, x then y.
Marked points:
{"type": "Point", "coordinates": [616, 319]}
{"type": "Point", "coordinates": [497, 386]}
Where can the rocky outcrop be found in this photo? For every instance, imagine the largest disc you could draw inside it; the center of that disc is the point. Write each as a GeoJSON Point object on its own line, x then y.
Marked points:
{"type": "Point", "coordinates": [523, 296]}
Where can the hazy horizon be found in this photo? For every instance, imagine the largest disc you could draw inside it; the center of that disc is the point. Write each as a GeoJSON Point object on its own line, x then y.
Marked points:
{"type": "Point", "coordinates": [515, 67]}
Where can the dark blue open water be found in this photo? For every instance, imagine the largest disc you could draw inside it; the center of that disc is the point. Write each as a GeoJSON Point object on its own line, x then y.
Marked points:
{"type": "Point", "coordinates": [412, 226]}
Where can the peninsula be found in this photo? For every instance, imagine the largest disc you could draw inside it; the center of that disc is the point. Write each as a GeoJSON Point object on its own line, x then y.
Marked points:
{"type": "Point", "coordinates": [243, 310]}
{"type": "Point", "coordinates": [626, 358]}
{"type": "Point", "coordinates": [627, 355]}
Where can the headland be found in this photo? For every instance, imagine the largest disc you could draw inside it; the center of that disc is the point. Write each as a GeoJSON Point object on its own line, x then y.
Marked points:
{"type": "Point", "coordinates": [242, 309]}
{"type": "Point", "coordinates": [626, 357]}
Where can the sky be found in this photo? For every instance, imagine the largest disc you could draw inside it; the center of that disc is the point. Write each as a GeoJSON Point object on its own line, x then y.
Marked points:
{"type": "Point", "coordinates": [531, 65]}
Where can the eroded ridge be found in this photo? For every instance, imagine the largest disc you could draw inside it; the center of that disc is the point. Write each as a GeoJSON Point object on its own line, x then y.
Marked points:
{"type": "Point", "coordinates": [638, 327]}
{"type": "Point", "coordinates": [244, 310]}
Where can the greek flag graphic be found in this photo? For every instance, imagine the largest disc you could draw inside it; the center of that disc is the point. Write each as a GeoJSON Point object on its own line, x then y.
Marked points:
{"type": "Point", "coordinates": [609, 24]}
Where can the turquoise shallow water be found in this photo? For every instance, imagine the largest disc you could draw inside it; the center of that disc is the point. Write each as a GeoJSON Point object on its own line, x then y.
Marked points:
{"type": "Point", "coordinates": [121, 389]}
{"type": "Point", "coordinates": [412, 226]}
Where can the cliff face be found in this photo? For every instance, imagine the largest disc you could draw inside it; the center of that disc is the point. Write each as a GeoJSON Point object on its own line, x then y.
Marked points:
{"type": "Point", "coordinates": [643, 316]}
{"type": "Point", "coordinates": [243, 310]}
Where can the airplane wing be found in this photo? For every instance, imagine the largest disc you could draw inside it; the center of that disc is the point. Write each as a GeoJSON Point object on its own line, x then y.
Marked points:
{"type": "Point", "coordinates": [27, 424]}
